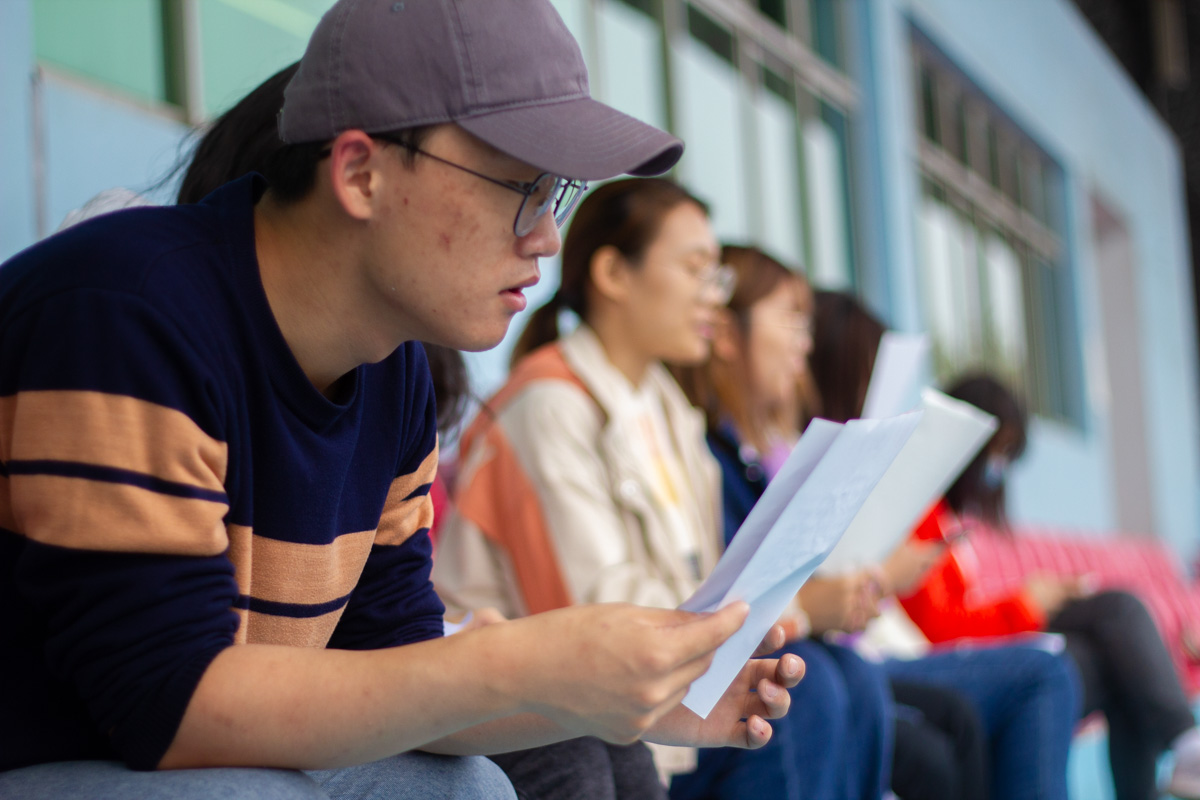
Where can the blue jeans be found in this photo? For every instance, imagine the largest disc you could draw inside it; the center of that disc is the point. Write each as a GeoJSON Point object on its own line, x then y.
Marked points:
{"type": "Point", "coordinates": [834, 744]}
{"type": "Point", "coordinates": [1028, 700]}
{"type": "Point", "coordinates": [408, 776]}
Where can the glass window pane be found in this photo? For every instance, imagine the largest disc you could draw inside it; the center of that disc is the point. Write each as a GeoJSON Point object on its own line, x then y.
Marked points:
{"type": "Point", "coordinates": [929, 108]}
{"type": "Point", "coordinates": [827, 30]}
{"type": "Point", "coordinates": [823, 161]}
{"type": "Point", "coordinates": [706, 30]}
{"type": "Point", "coordinates": [958, 122]}
{"type": "Point", "coordinates": [647, 7]}
{"type": "Point", "coordinates": [574, 16]}
{"type": "Point", "coordinates": [779, 164]}
{"type": "Point", "coordinates": [948, 269]}
{"type": "Point", "coordinates": [776, 10]}
{"type": "Point", "coordinates": [243, 42]}
{"type": "Point", "coordinates": [993, 145]}
{"type": "Point", "coordinates": [709, 116]}
{"type": "Point", "coordinates": [1032, 186]}
{"type": "Point", "coordinates": [117, 42]}
{"type": "Point", "coordinates": [1006, 307]}
{"type": "Point", "coordinates": [631, 63]}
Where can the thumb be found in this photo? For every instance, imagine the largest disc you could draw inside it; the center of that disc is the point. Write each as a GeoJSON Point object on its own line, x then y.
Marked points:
{"type": "Point", "coordinates": [706, 632]}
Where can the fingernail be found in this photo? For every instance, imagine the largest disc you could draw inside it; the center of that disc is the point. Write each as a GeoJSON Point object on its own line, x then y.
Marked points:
{"type": "Point", "coordinates": [770, 692]}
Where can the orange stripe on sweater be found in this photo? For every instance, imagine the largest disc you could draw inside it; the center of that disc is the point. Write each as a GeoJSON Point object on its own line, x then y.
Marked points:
{"type": "Point", "coordinates": [111, 430]}
{"type": "Point", "coordinates": [402, 517]}
{"type": "Point", "coordinates": [116, 517]}
{"type": "Point", "coordinates": [290, 572]}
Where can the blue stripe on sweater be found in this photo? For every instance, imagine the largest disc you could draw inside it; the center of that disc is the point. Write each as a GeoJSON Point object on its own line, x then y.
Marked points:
{"type": "Point", "coordinates": [93, 472]}
{"type": "Point", "coordinates": [420, 491]}
{"type": "Point", "coordinates": [293, 610]}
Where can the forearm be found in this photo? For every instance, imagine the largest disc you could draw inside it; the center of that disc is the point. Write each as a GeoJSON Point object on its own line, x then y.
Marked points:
{"type": "Point", "coordinates": [519, 732]}
{"type": "Point", "coordinates": [269, 706]}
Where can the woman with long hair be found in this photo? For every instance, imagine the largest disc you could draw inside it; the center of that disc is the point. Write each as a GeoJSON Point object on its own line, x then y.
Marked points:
{"type": "Point", "coordinates": [1126, 670]}
{"type": "Point", "coordinates": [751, 391]}
{"type": "Point", "coordinates": [1026, 696]}
{"type": "Point", "coordinates": [587, 478]}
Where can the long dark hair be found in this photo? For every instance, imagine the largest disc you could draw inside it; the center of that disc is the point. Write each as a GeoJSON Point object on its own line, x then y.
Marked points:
{"type": "Point", "coordinates": [624, 214]}
{"type": "Point", "coordinates": [719, 388]}
{"type": "Point", "coordinates": [971, 492]}
{"type": "Point", "coordinates": [246, 139]}
{"type": "Point", "coordinates": [845, 342]}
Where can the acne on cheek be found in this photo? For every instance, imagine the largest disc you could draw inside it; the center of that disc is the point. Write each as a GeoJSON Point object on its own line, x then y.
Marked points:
{"type": "Point", "coordinates": [444, 238]}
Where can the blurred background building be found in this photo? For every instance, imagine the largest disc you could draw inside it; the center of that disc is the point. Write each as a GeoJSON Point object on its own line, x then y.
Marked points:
{"type": "Point", "coordinates": [984, 170]}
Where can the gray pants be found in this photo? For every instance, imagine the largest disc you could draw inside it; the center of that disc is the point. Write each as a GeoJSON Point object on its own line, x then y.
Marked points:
{"type": "Point", "coordinates": [1127, 673]}
{"type": "Point", "coordinates": [583, 769]}
{"type": "Point", "coordinates": [408, 776]}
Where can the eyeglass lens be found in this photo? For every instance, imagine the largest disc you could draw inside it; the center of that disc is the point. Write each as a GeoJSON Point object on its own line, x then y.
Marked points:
{"type": "Point", "coordinates": [548, 191]}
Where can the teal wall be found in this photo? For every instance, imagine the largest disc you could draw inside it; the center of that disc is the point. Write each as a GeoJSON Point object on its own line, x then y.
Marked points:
{"type": "Point", "coordinates": [1036, 58]}
{"type": "Point", "coordinates": [17, 219]}
{"type": "Point", "coordinates": [1041, 63]}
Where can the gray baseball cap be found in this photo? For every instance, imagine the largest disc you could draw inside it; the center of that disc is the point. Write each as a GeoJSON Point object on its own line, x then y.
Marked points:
{"type": "Point", "coordinates": [507, 71]}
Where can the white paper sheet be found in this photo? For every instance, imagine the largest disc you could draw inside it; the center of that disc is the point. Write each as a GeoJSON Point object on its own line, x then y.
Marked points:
{"type": "Point", "coordinates": [950, 434]}
{"type": "Point", "coordinates": [899, 367]}
{"type": "Point", "coordinates": [790, 531]}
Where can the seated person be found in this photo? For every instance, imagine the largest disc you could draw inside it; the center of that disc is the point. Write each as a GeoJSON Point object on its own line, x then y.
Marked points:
{"type": "Point", "coordinates": [218, 433]}
{"type": "Point", "coordinates": [753, 391]}
{"type": "Point", "coordinates": [587, 479]}
{"type": "Point", "coordinates": [1126, 670]}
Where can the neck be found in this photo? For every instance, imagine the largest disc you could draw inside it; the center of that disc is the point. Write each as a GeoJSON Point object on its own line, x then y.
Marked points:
{"type": "Point", "coordinates": [304, 267]}
{"type": "Point", "coordinates": [621, 349]}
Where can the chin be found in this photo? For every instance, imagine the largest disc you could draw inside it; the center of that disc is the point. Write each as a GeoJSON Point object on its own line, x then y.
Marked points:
{"type": "Point", "coordinates": [474, 341]}
{"type": "Point", "coordinates": [479, 344]}
{"type": "Point", "coordinates": [691, 356]}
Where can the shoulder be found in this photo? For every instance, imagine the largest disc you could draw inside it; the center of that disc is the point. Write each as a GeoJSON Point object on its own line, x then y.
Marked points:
{"type": "Point", "coordinates": [174, 257]}
{"type": "Point", "coordinates": [116, 251]}
{"type": "Point", "coordinates": [550, 407]}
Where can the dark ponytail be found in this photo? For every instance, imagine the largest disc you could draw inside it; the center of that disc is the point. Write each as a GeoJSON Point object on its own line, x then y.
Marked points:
{"type": "Point", "coordinates": [243, 139]}
{"type": "Point", "coordinates": [624, 214]}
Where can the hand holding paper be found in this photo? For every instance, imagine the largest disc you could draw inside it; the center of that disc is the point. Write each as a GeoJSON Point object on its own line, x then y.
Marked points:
{"type": "Point", "coordinates": [791, 530]}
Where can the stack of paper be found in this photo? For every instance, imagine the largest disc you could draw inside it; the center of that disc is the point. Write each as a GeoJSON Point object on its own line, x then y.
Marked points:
{"type": "Point", "coordinates": [950, 434]}
{"type": "Point", "coordinates": [790, 531]}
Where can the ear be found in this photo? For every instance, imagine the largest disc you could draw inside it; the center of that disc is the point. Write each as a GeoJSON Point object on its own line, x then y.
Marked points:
{"type": "Point", "coordinates": [727, 337]}
{"type": "Point", "coordinates": [610, 274]}
{"type": "Point", "coordinates": [354, 175]}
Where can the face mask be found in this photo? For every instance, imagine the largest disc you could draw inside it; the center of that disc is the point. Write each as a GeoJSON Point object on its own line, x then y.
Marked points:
{"type": "Point", "coordinates": [994, 471]}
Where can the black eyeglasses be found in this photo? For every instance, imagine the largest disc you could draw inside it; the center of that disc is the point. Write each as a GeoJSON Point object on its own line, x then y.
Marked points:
{"type": "Point", "coordinates": [540, 195]}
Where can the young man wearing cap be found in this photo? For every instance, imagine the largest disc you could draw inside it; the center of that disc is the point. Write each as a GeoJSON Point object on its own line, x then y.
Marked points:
{"type": "Point", "coordinates": [217, 435]}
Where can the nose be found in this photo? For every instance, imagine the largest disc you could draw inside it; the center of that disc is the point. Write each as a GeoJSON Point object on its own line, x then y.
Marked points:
{"type": "Point", "coordinates": [543, 241]}
{"type": "Point", "coordinates": [805, 344]}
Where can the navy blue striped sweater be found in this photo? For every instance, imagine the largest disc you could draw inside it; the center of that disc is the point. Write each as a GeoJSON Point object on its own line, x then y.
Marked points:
{"type": "Point", "coordinates": [172, 484]}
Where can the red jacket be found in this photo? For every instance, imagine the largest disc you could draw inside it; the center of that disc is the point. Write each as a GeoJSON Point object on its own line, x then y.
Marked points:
{"type": "Point", "coordinates": [942, 607]}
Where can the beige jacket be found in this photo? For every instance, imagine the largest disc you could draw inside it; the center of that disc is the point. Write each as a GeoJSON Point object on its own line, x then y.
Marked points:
{"type": "Point", "coordinates": [554, 507]}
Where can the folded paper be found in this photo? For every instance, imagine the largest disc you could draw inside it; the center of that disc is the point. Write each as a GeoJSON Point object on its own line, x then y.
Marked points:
{"type": "Point", "coordinates": [791, 530]}
{"type": "Point", "coordinates": [951, 432]}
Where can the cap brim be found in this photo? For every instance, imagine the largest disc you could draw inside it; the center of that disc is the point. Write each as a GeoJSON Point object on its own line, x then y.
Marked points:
{"type": "Point", "coordinates": [580, 138]}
